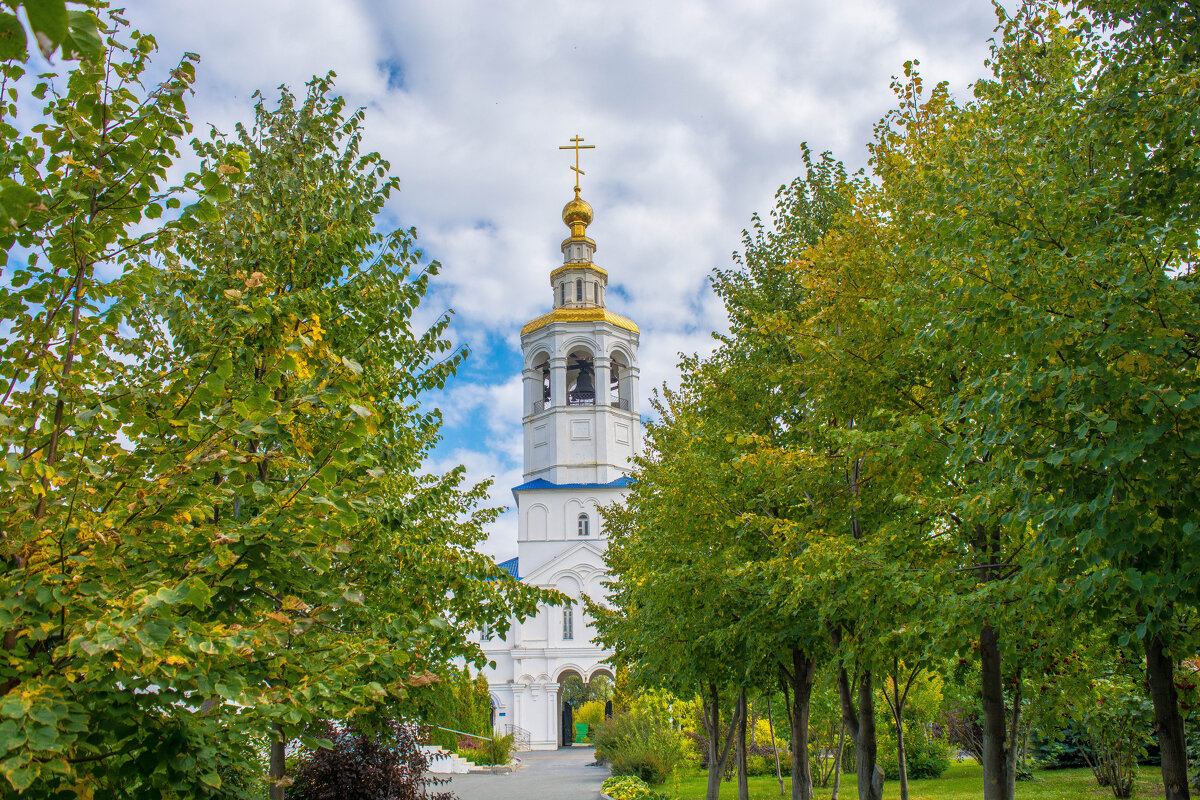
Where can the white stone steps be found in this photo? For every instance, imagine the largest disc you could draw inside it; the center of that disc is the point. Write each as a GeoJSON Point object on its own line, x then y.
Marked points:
{"type": "Point", "coordinates": [443, 762]}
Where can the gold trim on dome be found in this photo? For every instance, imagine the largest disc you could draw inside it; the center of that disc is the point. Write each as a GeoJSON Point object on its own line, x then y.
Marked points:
{"type": "Point", "coordinates": [579, 315]}
{"type": "Point", "coordinates": [585, 265]}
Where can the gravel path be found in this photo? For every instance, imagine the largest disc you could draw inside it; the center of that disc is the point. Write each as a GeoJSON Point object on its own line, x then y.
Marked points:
{"type": "Point", "coordinates": [545, 775]}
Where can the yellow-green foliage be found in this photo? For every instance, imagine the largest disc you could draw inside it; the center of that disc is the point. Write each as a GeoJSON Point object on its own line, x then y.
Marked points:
{"type": "Point", "coordinates": [592, 713]}
{"type": "Point", "coordinates": [629, 787]}
{"type": "Point", "coordinates": [683, 715]}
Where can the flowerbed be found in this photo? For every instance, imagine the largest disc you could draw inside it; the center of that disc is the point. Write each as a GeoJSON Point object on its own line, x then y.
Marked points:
{"type": "Point", "coordinates": [629, 787]}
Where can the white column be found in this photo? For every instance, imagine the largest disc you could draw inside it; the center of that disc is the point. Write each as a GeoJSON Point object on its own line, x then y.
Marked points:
{"type": "Point", "coordinates": [558, 382]}
{"type": "Point", "coordinates": [602, 366]}
{"type": "Point", "coordinates": [632, 373]}
{"type": "Point", "coordinates": [532, 380]}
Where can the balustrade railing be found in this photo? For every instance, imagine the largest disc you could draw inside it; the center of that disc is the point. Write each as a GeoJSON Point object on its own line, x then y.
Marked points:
{"type": "Point", "coordinates": [520, 737]}
{"type": "Point", "coordinates": [581, 399]}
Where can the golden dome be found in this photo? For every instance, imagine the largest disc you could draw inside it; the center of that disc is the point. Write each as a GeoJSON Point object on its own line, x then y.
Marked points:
{"type": "Point", "coordinates": [577, 215]}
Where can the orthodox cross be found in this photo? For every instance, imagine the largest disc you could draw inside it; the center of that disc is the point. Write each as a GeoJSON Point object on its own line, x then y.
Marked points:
{"type": "Point", "coordinates": [576, 146]}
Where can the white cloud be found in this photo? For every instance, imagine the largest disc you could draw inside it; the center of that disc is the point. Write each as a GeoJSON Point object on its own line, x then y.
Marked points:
{"type": "Point", "coordinates": [697, 109]}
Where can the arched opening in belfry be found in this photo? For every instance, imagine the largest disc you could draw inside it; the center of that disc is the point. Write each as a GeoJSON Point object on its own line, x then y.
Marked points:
{"type": "Point", "coordinates": [541, 363]}
{"type": "Point", "coordinates": [581, 379]}
{"type": "Point", "coordinates": [618, 382]}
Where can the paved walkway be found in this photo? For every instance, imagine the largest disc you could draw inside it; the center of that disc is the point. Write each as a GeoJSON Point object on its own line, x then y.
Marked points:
{"type": "Point", "coordinates": [545, 775]}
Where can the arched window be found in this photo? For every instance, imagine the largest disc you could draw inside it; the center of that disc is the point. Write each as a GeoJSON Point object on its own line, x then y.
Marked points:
{"type": "Point", "coordinates": [583, 525]}
{"type": "Point", "coordinates": [596, 289]}
{"type": "Point", "coordinates": [563, 300]}
{"type": "Point", "coordinates": [568, 623]}
{"type": "Point", "coordinates": [578, 290]}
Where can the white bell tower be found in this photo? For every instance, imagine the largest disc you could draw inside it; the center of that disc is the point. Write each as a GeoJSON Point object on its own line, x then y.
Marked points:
{"type": "Point", "coordinates": [582, 431]}
{"type": "Point", "coordinates": [581, 419]}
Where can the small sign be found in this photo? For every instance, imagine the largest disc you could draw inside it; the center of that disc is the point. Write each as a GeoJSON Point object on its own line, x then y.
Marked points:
{"type": "Point", "coordinates": [502, 713]}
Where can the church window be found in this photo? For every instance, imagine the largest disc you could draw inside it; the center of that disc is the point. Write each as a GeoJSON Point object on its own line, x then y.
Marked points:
{"type": "Point", "coordinates": [578, 290]}
{"type": "Point", "coordinates": [563, 300]}
{"type": "Point", "coordinates": [583, 524]}
{"type": "Point", "coordinates": [568, 623]}
{"type": "Point", "coordinates": [596, 290]}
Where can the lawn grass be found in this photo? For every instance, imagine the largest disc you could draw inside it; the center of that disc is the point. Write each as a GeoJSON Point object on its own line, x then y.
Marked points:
{"type": "Point", "coordinates": [963, 781]}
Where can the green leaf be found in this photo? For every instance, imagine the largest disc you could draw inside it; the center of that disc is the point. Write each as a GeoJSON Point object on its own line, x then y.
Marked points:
{"type": "Point", "coordinates": [48, 18]}
{"type": "Point", "coordinates": [12, 38]}
{"type": "Point", "coordinates": [203, 211]}
{"type": "Point", "coordinates": [21, 779]}
{"type": "Point", "coordinates": [83, 39]}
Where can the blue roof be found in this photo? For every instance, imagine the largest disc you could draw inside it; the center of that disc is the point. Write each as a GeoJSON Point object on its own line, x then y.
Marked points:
{"type": "Point", "coordinates": [542, 483]}
{"type": "Point", "coordinates": [511, 566]}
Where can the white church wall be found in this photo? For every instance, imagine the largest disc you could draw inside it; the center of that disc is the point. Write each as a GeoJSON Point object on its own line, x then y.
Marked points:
{"type": "Point", "coordinates": [537, 522]}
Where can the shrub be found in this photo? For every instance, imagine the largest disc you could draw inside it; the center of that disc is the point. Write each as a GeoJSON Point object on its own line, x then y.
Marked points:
{"type": "Point", "coordinates": [591, 712]}
{"type": "Point", "coordinates": [362, 766]}
{"type": "Point", "coordinates": [489, 752]}
{"type": "Point", "coordinates": [760, 760]}
{"type": "Point", "coordinates": [964, 731]}
{"type": "Point", "coordinates": [628, 787]}
{"type": "Point", "coordinates": [1117, 731]}
{"type": "Point", "coordinates": [926, 756]}
{"type": "Point", "coordinates": [759, 765]}
{"type": "Point", "coordinates": [1064, 751]}
{"type": "Point", "coordinates": [640, 745]}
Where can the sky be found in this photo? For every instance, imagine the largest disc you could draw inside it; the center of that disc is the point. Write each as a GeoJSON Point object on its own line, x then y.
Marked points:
{"type": "Point", "coordinates": [697, 110]}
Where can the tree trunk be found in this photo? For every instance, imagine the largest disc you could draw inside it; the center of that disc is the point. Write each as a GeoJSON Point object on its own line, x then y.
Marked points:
{"type": "Point", "coordinates": [860, 722]}
{"type": "Point", "coordinates": [897, 699]}
{"type": "Point", "coordinates": [1168, 724]}
{"type": "Point", "coordinates": [278, 745]}
{"type": "Point", "coordinates": [870, 776]}
{"type": "Point", "coordinates": [801, 677]}
{"type": "Point", "coordinates": [1014, 734]}
{"type": "Point", "coordinates": [837, 763]}
{"type": "Point", "coordinates": [774, 745]}
{"type": "Point", "coordinates": [995, 774]}
{"type": "Point", "coordinates": [718, 753]}
{"type": "Point", "coordinates": [743, 780]}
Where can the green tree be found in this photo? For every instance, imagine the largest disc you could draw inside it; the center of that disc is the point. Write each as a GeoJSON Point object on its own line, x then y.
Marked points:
{"type": "Point", "coordinates": [668, 614]}
{"type": "Point", "coordinates": [1068, 254]}
{"type": "Point", "coordinates": [314, 305]}
{"type": "Point", "coordinates": [214, 522]}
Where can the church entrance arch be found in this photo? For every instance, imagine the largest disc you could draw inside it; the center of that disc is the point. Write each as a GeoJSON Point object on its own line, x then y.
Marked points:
{"type": "Point", "coordinates": [571, 689]}
{"type": "Point", "coordinates": [602, 685]}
